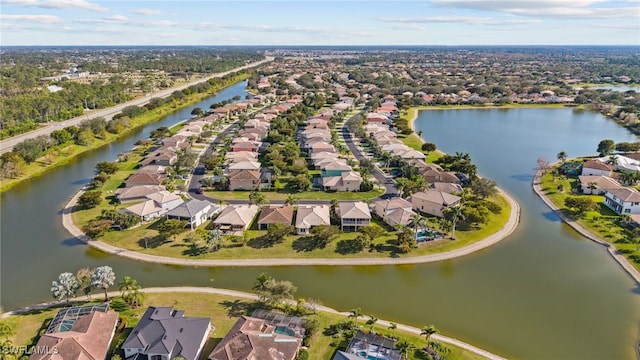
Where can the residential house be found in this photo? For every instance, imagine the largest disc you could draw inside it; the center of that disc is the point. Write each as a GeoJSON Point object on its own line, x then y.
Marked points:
{"type": "Point", "coordinates": [374, 118]}
{"type": "Point", "coordinates": [245, 146]}
{"type": "Point", "coordinates": [236, 217]}
{"type": "Point", "coordinates": [253, 339]}
{"type": "Point", "coordinates": [165, 334]}
{"type": "Point", "coordinates": [346, 181]}
{"type": "Point", "coordinates": [309, 216]}
{"type": "Point", "coordinates": [450, 188]}
{"type": "Point", "coordinates": [597, 185]}
{"type": "Point", "coordinates": [334, 167]}
{"type": "Point", "coordinates": [623, 201]}
{"type": "Point", "coordinates": [244, 179]}
{"type": "Point", "coordinates": [369, 346]}
{"type": "Point", "coordinates": [85, 337]}
{"type": "Point", "coordinates": [194, 212]}
{"type": "Point", "coordinates": [157, 204]}
{"type": "Point", "coordinates": [275, 214]}
{"type": "Point", "coordinates": [396, 211]}
{"type": "Point", "coordinates": [153, 169]}
{"type": "Point", "coordinates": [136, 193]}
{"type": "Point", "coordinates": [243, 165]}
{"type": "Point", "coordinates": [353, 214]}
{"type": "Point", "coordinates": [165, 156]}
{"type": "Point", "coordinates": [433, 202]}
{"type": "Point", "coordinates": [596, 168]}
{"type": "Point", "coordinates": [320, 147]}
{"type": "Point", "coordinates": [144, 179]}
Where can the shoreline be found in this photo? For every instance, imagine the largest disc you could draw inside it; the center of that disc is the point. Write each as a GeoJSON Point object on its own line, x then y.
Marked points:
{"type": "Point", "coordinates": [508, 228]}
{"type": "Point", "coordinates": [611, 250]}
{"type": "Point", "coordinates": [245, 295]}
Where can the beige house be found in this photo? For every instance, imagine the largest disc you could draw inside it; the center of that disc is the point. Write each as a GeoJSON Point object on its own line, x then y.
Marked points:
{"type": "Point", "coordinates": [252, 338]}
{"type": "Point", "coordinates": [597, 185]}
{"type": "Point", "coordinates": [433, 202]}
{"type": "Point", "coordinates": [136, 193]}
{"type": "Point", "coordinates": [88, 338]}
{"type": "Point", "coordinates": [309, 216]}
{"type": "Point", "coordinates": [347, 181]}
{"type": "Point", "coordinates": [396, 211]}
{"type": "Point", "coordinates": [236, 217]}
{"type": "Point", "coordinates": [353, 214]}
{"type": "Point", "coordinates": [244, 179]}
{"type": "Point", "coordinates": [156, 205]}
{"type": "Point", "coordinates": [275, 214]}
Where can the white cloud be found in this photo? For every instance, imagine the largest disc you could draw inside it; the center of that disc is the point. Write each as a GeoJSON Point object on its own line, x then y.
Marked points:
{"type": "Point", "coordinates": [578, 9]}
{"type": "Point", "coordinates": [148, 12]}
{"type": "Point", "coordinates": [58, 4]}
{"type": "Point", "coordinates": [471, 20]}
{"type": "Point", "coordinates": [42, 19]}
{"type": "Point", "coordinates": [116, 18]}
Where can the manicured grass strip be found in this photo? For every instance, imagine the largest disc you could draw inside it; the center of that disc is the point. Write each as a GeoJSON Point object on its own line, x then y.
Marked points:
{"type": "Point", "coordinates": [223, 311]}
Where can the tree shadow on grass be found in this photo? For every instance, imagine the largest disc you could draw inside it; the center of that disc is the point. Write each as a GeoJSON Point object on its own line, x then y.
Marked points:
{"type": "Point", "coordinates": [305, 243]}
{"type": "Point", "coordinates": [195, 250]}
{"type": "Point", "coordinates": [152, 242]}
{"type": "Point", "coordinates": [236, 308]}
{"type": "Point", "coordinates": [259, 242]}
{"type": "Point", "coordinates": [345, 247]}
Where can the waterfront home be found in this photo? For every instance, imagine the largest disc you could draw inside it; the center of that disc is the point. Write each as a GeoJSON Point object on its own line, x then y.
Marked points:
{"type": "Point", "coordinates": [244, 179]}
{"type": "Point", "coordinates": [144, 179]}
{"type": "Point", "coordinates": [597, 185]}
{"type": "Point", "coordinates": [396, 211]}
{"type": "Point", "coordinates": [375, 118]}
{"type": "Point", "coordinates": [623, 201]}
{"type": "Point", "coordinates": [236, 218]}
{"type": "Point", "coordinates": [596, 168]}
{"type": "Point", "coordinates": [157, 204]}
{"type": "Point", "coordinates": [153, 169]}
{"type": "Point", "coordinates": [79, 332]}
{"type": "Point", "coordinates": [309, 216]}
{"type": "Point", "coordinates": [353, 214]}
{"type": "Point", "coordinates": [622, 163]}
{"type": "Point", "coordinates": [450, 188]}
{"type": "Point", "coordinates": [369, 346]}
{"type": "Point", "coordinates": [346, 181]}
{"type": "Point", "coordinates": [275, 214]}
{"type": "Point", "coordinates": [252, 338]}
{"type": "Point", "coordinates": [194, 212]}
{"type": "Point", "coordinates": [164, 334]}
{"type": "Point", "coordinates": [433, 202]}
{"type": "Point", "coordinates": [176, 141]}
{"type": "Point", "coordinates": [136, 193]}
{"type": "Point", "coordinates": [165, 156]}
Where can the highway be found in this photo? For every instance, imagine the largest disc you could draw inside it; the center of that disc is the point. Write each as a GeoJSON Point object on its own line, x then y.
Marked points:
{"type": "Point", "coordinates": [108, 113]}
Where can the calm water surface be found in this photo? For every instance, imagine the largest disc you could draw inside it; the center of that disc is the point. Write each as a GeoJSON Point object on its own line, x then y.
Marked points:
{"type": "Point", "coordinates": [543, 293]}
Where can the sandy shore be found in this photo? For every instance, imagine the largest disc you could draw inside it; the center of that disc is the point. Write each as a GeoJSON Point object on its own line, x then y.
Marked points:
{"type": "Point", "coordinates": [245, 295]}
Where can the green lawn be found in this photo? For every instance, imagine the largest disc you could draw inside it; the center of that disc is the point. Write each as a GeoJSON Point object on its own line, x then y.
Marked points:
{"type": "Point", "coordinates": [413, 141]}
{"type": "Point", "coordinates": [223, 311]}
{"type": "Point", "coordinates": [602, 222]}
{"type": "Point", "coordinates": [306, 195]}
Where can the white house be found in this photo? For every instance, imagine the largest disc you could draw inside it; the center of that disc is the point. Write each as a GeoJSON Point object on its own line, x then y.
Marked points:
{"type": "Point", "coordinates": [596, 168]}
{"type": "Point", "coordinates": [311, 215]}
{"type": "Point", "coordinates": [194, 211]}
{"type": "Point", "coordinates": [623, 201]}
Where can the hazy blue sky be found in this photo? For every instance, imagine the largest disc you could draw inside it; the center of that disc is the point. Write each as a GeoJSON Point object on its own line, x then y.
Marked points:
{"type": "Point", "coordinates": [302, 22]}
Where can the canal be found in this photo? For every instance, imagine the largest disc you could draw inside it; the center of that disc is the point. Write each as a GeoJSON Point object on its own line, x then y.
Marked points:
{"type": "Point", "coordinates": [544, 292]}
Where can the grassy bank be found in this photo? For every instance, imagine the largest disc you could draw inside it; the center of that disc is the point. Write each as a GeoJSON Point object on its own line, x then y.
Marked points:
{"type": "Point", "coordinates": [601, 221]}
{"type": "Point", "coordinates": [223, 311]}
{"type": "Point", "coordinates": [66, 153]}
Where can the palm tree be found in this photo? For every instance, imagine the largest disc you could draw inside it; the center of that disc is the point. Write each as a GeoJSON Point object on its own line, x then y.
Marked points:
{"type": "Point", "coordinates": [404, 347]}
{"type": "Point", "coordinates": [65, 287]}
{"type": "Point", "coordinates": [385, 158]}
{"type": "Point", "coordinates": [562, 156]}
{"type": "Point", "coordinates": [355, 314]}
{"type": "Point", "coordinates": [427, 331]}
{"type": "Point", "coordinates": [127, 284]}
{"type": "Point", "coordinates": [372, 322]}
{"type": "Point", "coordinates": [291, 200]}
{"type": "Point", "coordinates": [592, 185]}
{"type": "Point", "coordinates": [393, 326]}
{"type": "Point", "coordinates": [454, 214]}
{"type": "Point", "coordinates": [419, 222]}
{"type": "Point", "coordinates": [401, 184]}
{"type": "Point", "coordinates": [257, 198]}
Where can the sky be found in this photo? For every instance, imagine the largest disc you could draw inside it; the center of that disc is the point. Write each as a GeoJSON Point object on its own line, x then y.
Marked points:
{"type": "Point", "coordinates": [306, 22]}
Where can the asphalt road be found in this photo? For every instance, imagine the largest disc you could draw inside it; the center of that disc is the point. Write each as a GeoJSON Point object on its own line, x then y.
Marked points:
{"type": "Point", "coordinates": [387, 182]}
{"type": "Point", "coordinates": [108, 113]}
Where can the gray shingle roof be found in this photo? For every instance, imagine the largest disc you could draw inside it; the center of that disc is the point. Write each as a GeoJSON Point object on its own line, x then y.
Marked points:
{"type": "Point", "coordinates": [189, 209]}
